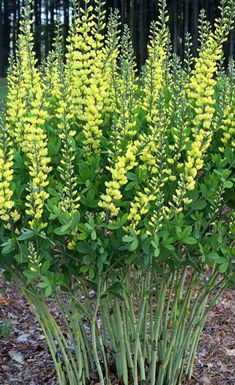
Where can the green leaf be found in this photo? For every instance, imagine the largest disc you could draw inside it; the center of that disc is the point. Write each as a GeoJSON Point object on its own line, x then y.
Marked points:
{"type": "Point", "coordinates": [228, 184]}
{"type": "Point", "coordinates": [156, 252]}
{"type": "Point", "coordinates": [20, 259]}
{"type": "Point", "coordinates": [53, 192]}
{"type": "Point", "coordinates": [63, 230]}
{"type": "Point", "coordinates": [91, 273]}
{"type": "Point", "coordinates": [26, 234]}
{"type": "Point", "coordinates": [43, 285]}
{"type": "Point", "coordinates": [84, 248]}
{"type": "Point", "coordinates": [7, 247]}
{"type": "Point", "coordinates": [190, 241]}
{"type": "Point", "coordinates": [178, 232]}
{"type": "Point", "coordinates": [216, 257]}
{"type": "Point", "coordinates": [224, 267]}
{"type": "Point", "coordinates": [124, 219]}
{"type": "Point", "coordinates": [86, 172]}
{"type": "Point", "coordinates": [75, 220]}
{"type": "Point", "coordinates": [114, 226]}
{"type": "Point", "coordinates": [128, 238]}
{"type": "Point", "coordinates": [130, 186]}
{"type": "Point", "coordinates": [134, 245]}
{"type": "Point", "coordinates": [30, 275]}
{"type": "Point", "coordinates": [91, 195]}
{"type": "Point", "coordinates": [62, 217]}
{"type": "Point", "coordinates": [201, 205]}
{"type": "Point", "coordinates": [87, 259]}
{"type": "Point", "coordinates": [45, 267]}
{"type": "Point", "coordinates": [82, 236]}
{"type": "Point", "coordinates": [169, 246]}
{"type": "Point", "coordinates": [84, 269]}
{"type": "Point", "coordinates": [187, 231]}
{"type": "Point", "coordinates": [132, 176]}
{"type": "Point", "coordinates": [229, 155]}
{"type": "Point", "coordinates": [48, 291]}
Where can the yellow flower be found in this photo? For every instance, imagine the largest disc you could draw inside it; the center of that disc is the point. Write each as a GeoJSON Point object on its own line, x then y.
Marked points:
{"type": "Point", "coordinates": [228, 121]}
{"type": "Point", "coordinates": [123, 164]}
{"type": "Point", "coordinates": [6, 176]}
{"type": "Point", "coordinates": [85, 76]}
{"type": "Point", "coordinates": [200, 92]}
{"type": "Point", "coordinates": [26, 120]}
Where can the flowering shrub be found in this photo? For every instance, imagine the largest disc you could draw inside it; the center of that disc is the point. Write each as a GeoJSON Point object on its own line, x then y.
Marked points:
{"type": "Point", "coordinates": [114, 194]}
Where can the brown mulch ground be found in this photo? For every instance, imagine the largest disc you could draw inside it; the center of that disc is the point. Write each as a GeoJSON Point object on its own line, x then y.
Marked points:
{"type": "Point", "coordinates": [25, 360]}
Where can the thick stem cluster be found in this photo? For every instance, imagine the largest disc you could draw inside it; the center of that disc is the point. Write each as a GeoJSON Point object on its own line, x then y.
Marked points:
{"type": "Point", "coordinates": [149, 330]}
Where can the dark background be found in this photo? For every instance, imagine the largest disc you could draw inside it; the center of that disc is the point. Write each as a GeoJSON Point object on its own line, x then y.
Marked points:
{"type": "Point", "coordinates": [137, 13]}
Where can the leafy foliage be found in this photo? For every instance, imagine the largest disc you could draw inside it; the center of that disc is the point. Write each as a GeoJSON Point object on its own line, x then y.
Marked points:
{"type": "Point", "coordinates": [105, 174]}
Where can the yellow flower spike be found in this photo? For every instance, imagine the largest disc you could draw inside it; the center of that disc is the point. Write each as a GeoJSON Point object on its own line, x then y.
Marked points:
{"type": "Point", "coordinates": [201, 98]}
{"type": "Point", "coordinates": [85, 74]}
{"type": "Point", "coordinates": [228, 120]}
{"type": "Point", "coordinates": [153, 146]}
{"type": "Point", "coordinates": [6, 176]}
{"type": "Point", "coordinates": [28, 129]}
{"type": "Point", "coordinates": [123, 164]}
{"type": "Point", "coordinates": [69, 202]}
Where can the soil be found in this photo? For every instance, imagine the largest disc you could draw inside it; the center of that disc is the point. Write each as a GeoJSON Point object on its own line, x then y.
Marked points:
{"type": "Point", "coordinates": [25, 359]}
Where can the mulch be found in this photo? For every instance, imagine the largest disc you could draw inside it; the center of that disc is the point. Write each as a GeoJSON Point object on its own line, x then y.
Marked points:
{"type": "Point", "coordinates": [25, 359]}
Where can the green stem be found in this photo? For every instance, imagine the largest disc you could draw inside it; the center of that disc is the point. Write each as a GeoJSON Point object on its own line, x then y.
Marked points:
{"type": "Point", "coordinates": [189, 369]}
{"type": "Point", "coordinates": [94, 328]}
{"type": "Point", "coordinates": [122, 344]}
{"type": "Point", "coordinates": [156, 331]}
{"type": "Point", "coordinates": [50, 340]}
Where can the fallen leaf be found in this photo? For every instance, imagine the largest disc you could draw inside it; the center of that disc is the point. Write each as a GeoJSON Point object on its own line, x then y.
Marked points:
{"type": "Point", "coordinates": [16, 356]}
{"type": "Point", "coordinates": [230, 352]}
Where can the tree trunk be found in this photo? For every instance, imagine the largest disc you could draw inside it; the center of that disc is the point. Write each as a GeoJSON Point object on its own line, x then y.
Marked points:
{"type": "Point", "coordinates": [195, 26]}
{"type": "Point", "coordinates": [66, 19]}
{"type": "Point", "coordinates": [52, 21]}
{"type": "Point", "coordinates": [5, 36]}
{"type": "Point", "coordinates": [37, 15]}
{"type": "Point", "coordinates": [46, 28]}
{"type": "Point", "coordinates": [1, 41]}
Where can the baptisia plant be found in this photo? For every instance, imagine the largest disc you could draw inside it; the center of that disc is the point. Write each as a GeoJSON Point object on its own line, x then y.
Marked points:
{"type": "Point", "coordinates": [115, 194]}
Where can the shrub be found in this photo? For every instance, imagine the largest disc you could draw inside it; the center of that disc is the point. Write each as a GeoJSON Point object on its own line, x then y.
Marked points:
{"type": "Point", "coordinates": [114, 194]}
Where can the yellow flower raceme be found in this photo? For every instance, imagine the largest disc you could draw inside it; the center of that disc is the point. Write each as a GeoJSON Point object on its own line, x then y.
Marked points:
{"type": "Point", "coordinates": [152, 90]}
{"type": "Point", "coordinates": [69, 196]}
{"type": "Point", "coordinates": [228, 127]}
{"type": "Point", "coordinates": [16, 103]}
{"type": "Point", "coordinates": [140, 206]}
{"type": "Point", "coordinates": [22, 77]}
{"type": "Point", "coordinates": [35, 148]}
{"type": "Point", "coordinates": [97, 91]}
{"type": "Point", "coordinates": [52, 78]}
{"type": "Point", "coordinates": [201, 96]}
{"type": "Point", "coordinates": [79, 58]}
{"type": "Point", "coordinates": [152, 148]}
{"type": "Point", "coordinates": [179, 122]}
{"type": "Point", "coordinates": [111, 53]}
{"type": "Point", "coordinates": [7, 212]}
{"type": "Point", "coordinates": [85, 62]}
{"type": "Point", "coordinates": [159, 174]}
{"type": "Point", "coordinates": [125, 88]}
{"type": "Point", "coordinates": [155, 66]}
{"type": "Point", "coordinates": [153, 145]}
{"type": "Point", "coordinates": [118, 172]}
{"type": "Point", "coordinates": [228, 117]}
{"type": "Point", "coordinates": [29, 119]}
{"type": "Point", "coordinates": [153, 82]}
{"type": "Point", "coordinates": [94, 104]}
{"type": "Point", "coordinates": [34, 145]}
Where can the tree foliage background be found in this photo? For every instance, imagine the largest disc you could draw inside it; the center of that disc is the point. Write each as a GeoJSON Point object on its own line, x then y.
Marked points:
{"type": "Point", "coordinates": [137, 13]}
